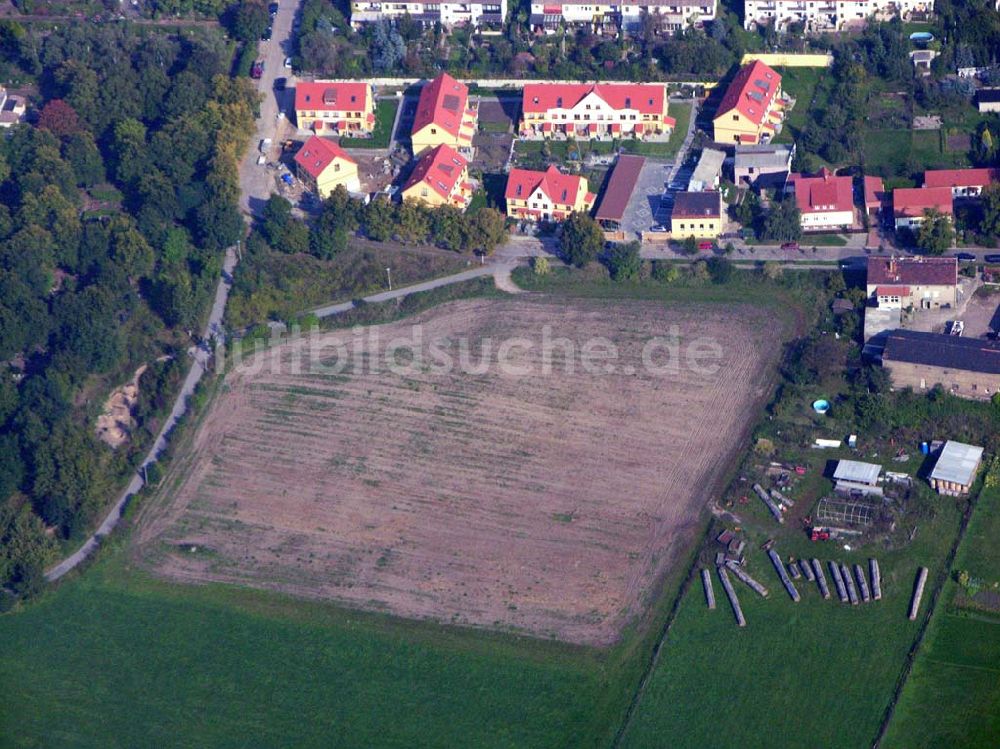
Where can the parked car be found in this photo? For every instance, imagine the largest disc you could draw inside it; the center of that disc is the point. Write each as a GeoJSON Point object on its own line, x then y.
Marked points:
{"type": "Point", "coordinates": [790, 246]}
{"type": "Point", "coordinates": [266, 36]}
{"type": "Point", "coordinates": [992, 258]}
{"type": "Point", "coordinates": [279, 84]}
{"type": "Point", "coordinates": [288, 62]}
{"type": "Point", "coordinates": [658, 228]}
{"type": "Point", "coordinates": [272, 9]}
{"type": "Point", "coordinates": [257, 70]}
{"type": "Point", "coordinates": [965, 256]}
{"type": "Point", "coordinates": [706, 245]}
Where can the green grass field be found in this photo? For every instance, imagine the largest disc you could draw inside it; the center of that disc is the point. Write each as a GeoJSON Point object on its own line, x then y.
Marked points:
{"type": "Point", "coordinates": [115, 659]}
{"type": "Point", "coordinates": [795, 668]}
{"type": "Point", "coordinates": [956, 675]}
{"type": "Point", "coordinates": [810, 89]}
{"type": "Point", "coordinates": [681, 113]}
{"type": "Point", "coordinates": [899, 152]}
{"type": "Point", "coordinates": [385, 116]}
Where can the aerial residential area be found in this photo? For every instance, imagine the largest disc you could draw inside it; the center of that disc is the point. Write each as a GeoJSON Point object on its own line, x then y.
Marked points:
{"type": "Point", "coordinates": [515, 374]}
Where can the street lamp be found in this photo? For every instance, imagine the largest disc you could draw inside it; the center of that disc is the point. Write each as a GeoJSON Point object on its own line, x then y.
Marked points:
{"type": "Point", "coordinates": [388, 273]}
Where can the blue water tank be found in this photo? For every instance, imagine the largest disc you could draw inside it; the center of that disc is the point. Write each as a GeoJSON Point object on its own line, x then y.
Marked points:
{"type": "Point", "coordinates": [925, 448]}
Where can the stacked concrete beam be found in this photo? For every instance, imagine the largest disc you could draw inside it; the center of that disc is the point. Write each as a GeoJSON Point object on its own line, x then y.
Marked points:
{"type": "Point", "coordinates": [859, 574]}
{"type": "Point", "coordinates": [849, 582]}
{"type": "Point", "coordinates": [731, 594]}
{"type": "Point", "coordinates": [807, 569]}
{"type": "Point", "coordinates": [918, 593]}
{"type": "Point", "coordinates": [745, 577]}
{"type": "Point", "coordinates": [706, 580]}
{"type": "Point", "coordinates": [776, 561]}
{"type": "Point", "coordinates": [876, 579]}
{"type": "Point", "coordinates": [838, 581]}
{"type": "Point", "coordinates": [820, 579]}
{"type": "Point", "coordinates": [769, 502]}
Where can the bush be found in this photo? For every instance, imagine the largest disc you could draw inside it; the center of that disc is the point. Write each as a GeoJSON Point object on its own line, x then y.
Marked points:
{"type": "Point", "coordinates": [665, 272]}
{"type": "Point", "coordinates": [623, 262]}
{"type": "Point", "coordinates": [540, 266]}
{"type": "Point", "coordinates": [720, 269]}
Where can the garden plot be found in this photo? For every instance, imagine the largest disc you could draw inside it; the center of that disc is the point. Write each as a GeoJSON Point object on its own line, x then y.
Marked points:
{"type": "Point", "coordinates": [547, 504]}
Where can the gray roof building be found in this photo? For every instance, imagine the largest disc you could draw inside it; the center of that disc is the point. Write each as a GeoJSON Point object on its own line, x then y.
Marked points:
{"type": "Point", "coordinates": [857, 472]}
{"type": "Point", "coordinates": [753, 162]}
{"type": "Point", "coordinates": [956, 467]}
{"type": "Point", "coordinates": [706, 173]}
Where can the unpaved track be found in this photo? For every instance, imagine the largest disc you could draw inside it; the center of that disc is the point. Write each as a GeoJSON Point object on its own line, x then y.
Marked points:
{"type": "Point", "coordinates": [543, 504]}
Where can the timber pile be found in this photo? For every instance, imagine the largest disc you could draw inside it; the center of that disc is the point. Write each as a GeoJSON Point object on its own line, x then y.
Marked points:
{"type": "Point", "coordinates": [849, 582]}
{"type": "Point", "coordinates": [859, 574]}
{"type": "Point", "coordinates": [706, 579]}
{"type": "Point", "coordinates": [769, 502]}
{"type": "Point", "coordinates": [742, 575]}
{"type": "Point", "coordinates": [876, 579]}
{"type": "Point", "coordinates": [807, 569]}
{"type": "Point", "coordinates": [782, 499]}
{"type": "Point", "coordinates": [731, 594]}
{"type": "Point", "coordinates": [821, 579]}
{"type": "Point", "coordinates": [918, 593]}
{"type": "Point", "coordinates": [776, 561]}
{"type": "Point", "coordinates": [794, 571]}
{"type": "Point", "coordinates": [838, 581]}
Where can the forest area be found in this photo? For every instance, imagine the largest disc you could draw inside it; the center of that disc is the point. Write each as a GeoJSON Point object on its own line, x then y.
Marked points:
{"type": "Point", "coordinates": [117, 204]}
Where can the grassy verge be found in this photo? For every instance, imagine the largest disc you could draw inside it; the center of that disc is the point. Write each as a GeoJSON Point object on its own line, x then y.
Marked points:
{"type": "Point", "coordinates": [385, 116]}
{"type": "Point", "coordinates": [681, 113]}
{"type": "Point", "coordinates": [956, 676]}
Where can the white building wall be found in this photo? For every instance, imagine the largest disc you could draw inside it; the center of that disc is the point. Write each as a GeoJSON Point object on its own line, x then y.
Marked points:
{"type": "Point", "coordinates": [825, 219]}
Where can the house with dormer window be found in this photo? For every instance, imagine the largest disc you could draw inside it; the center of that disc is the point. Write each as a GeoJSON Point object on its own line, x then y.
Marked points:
{"type": "Point", "coordinates": [335, 107]}
{"type": "Point", "coordinates": [752, 109]}
{"type": "Point", "coordinates": [598, 110]}
{"type": "Point", "coordinates": [546, 196]}
{"type": "Point", "coordinates": [440, 177]}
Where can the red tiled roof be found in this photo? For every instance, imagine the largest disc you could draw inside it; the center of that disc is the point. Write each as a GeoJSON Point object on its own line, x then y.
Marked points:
{"type": "Point", "coordinates": [442, 102]}
{"type": "Point", "coordinates": [620, 187]}
{"type": "Point", "coordinates": [646, 98]}
{"type": "Point", "coordinates": [331, 96]}
{"type": "Point", "coordinates": [751, 92]}
{"type": "Point", "coordinates": [960, 177]}
{"type": "Point", "coordinates": [913, 271]}
{"type": "Point", "coordinates": [823, 193]}
{"type": "Point", "coordinates": [892, 291]}
{"type": "Point", "coordinates": [913, 201]}
{"type": "Point", "coordinates": [318, 153]}
{"type": "Point", "coordinates": [558, 187]}
{"type": "Point", "coordinates": [874, 192]}
{"type": "Point", "coordinates": [441, 168]}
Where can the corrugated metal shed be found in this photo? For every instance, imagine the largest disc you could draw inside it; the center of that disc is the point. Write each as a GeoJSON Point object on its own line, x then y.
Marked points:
{"type": "Point", "coordinates": [957, 463]}
{"type": "Point", "coordinates": [706, 174]}
{"type": "Point", "coordinates": [857, 472]}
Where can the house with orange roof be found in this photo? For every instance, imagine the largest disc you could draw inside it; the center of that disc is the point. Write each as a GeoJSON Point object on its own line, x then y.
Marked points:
{"type": "Point", "coordinates": [335, 107]}
{"type": "Point", "coordinates": [440, 177]}
{"type": "Point", "coordinates": [444, 116]}
{"type": "Point", "coordinates": [546, 196]}
{"type": "Point", "coordinates": [875, 195]}
{"type": "Point", "coordinates": [825, 200]}
{"type": "Point", "coordinates": [752, 109]}
{"type": "Point", "coordinates": [964, 183]}
{"type": "Point", "coordinates": [595, 110]}
{"type": "Point", "coordinates": [909, 204]}
{"type": "Point", "coordinates": [323, 166]}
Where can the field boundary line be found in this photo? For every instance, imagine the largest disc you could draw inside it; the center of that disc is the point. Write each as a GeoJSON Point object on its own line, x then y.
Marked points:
{"type": "Point", "coordinates": [932, 609]}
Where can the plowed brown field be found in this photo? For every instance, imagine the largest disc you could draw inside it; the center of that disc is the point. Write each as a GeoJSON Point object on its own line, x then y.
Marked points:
{"type": "Point", "coordinates": [543, 504]}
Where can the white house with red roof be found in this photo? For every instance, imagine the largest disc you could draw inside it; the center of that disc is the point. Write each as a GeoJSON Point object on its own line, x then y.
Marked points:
{"type": "Point", "coordinates": [828, 16]}
{"type": "Point", "coordinates": [335, 107]}
{"type": "Point", "coordinates": [752, 109]}
{"type": "Point", "coordinates": [909, 204]}
{"type": "Point", "coordinates": [825, 200]}
{"type": "Point", "coordinates": [595, 110]}
{"type": "Point", "coordinates": [444, 116]}
{"type": "Point", "coordinates": [475, 14]}
{"type": "Point", "coordinates": [921, 282]}
{"type": "Point", "coordinates": [546, 196]}
{"type": "Point", "coordinates": [323, 166]}
{"type": "Point", "coordinates": [440, 177]}
{"type": "Point", "coordinates": [671, 15]}
{"type": "Point", "coordinates": [964, 183]}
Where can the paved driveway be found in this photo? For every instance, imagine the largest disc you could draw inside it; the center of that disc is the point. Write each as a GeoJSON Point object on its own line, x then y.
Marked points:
{"type": "Point", "coordinates": [645, 207]}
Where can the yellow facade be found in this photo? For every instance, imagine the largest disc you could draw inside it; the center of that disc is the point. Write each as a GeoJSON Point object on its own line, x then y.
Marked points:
{"type": "Point", "coordinates": [325, 106]}
{"type": "Point", "coordinates": [701, 227]}
{"type": "Point", "coordinates": [422, 192]}
{"type": "Point", "coordinates": [338, 172]}
{"type": "Point", "coordinates": [729, 128]}
{"type": "Point", "coordinates": [433, 135]}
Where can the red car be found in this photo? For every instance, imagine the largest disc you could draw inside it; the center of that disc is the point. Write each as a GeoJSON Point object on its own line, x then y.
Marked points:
{"type": "Point", "coordinates": [790, 246]}
{"type": "Point", "coordinates": [257, 70]}
{"type": "Point", "coordinates": [706, 245]}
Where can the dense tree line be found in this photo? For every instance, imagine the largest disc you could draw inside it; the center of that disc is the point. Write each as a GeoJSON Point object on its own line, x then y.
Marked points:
{"type": "Point", "coordinates": [87, 296]}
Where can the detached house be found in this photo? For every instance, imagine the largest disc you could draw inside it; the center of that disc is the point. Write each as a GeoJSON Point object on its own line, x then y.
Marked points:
{"type": "Point", "coordinates": [440, 177]}
{"type": "Point", "coordinates": [909, 204]}
{"type": "Point", "coordinates": [696, 214]}
{"type": "Point", "coordinates": [336, 107]}
{"type": "Point", "coordinates": [963, 183]}
{"type": "Point", "coordinates": [919, 282]}
{"type": "Point", "coordinates": [323, 165]}
{"type": "Point", "coordinates": [444, 116]}
{"type": "Point", "coordinates": [752, 109]}
{"type": "Point", "coordinates": [599, 110]}
{"type": "Point", "coordinates": [825, 201]}
{"type": "Point", "coordinates": [546, 196]}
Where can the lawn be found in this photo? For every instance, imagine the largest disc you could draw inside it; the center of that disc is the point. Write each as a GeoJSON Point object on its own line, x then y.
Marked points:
{"type": "Point", "coordinates": [956, 675]}
{"type": "Point", "coordinates": [901, 153]}
{"type": "Point", "coordinates": [804, 85]}
{"type": "Point", "coordinates": [385, 117]}
{"type": "Point", "coordinates": [681, 113]}
{"type": "Point", "coordinates": [115, 659]}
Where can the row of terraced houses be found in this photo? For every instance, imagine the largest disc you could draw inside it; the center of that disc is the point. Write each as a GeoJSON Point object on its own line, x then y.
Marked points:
{"type": "Point", "coordinates": [669, 15]}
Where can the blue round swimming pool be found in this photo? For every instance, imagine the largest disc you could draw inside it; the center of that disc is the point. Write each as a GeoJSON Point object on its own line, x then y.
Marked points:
{"type": "Point", "coordinates": [921, 37]}
{"type": "Point", "coordinates": [821, 406]}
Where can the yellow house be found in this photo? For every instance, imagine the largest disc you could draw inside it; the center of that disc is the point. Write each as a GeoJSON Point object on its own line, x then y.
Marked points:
{"type": "Point", "coordinates": [323, 165]}
{"type": "Point", "coordinates": [752, 108]}
{"type": "Point", "coordinates": [441, 177]}
{"type": "Point", "coordinates": [697, 214]}
{"type": "Point", "coordinates": [546, 196]}
{"type": "Point", "coordinates": [340, 107]}
{"type": "Point", "coordinates": [444, 116]}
